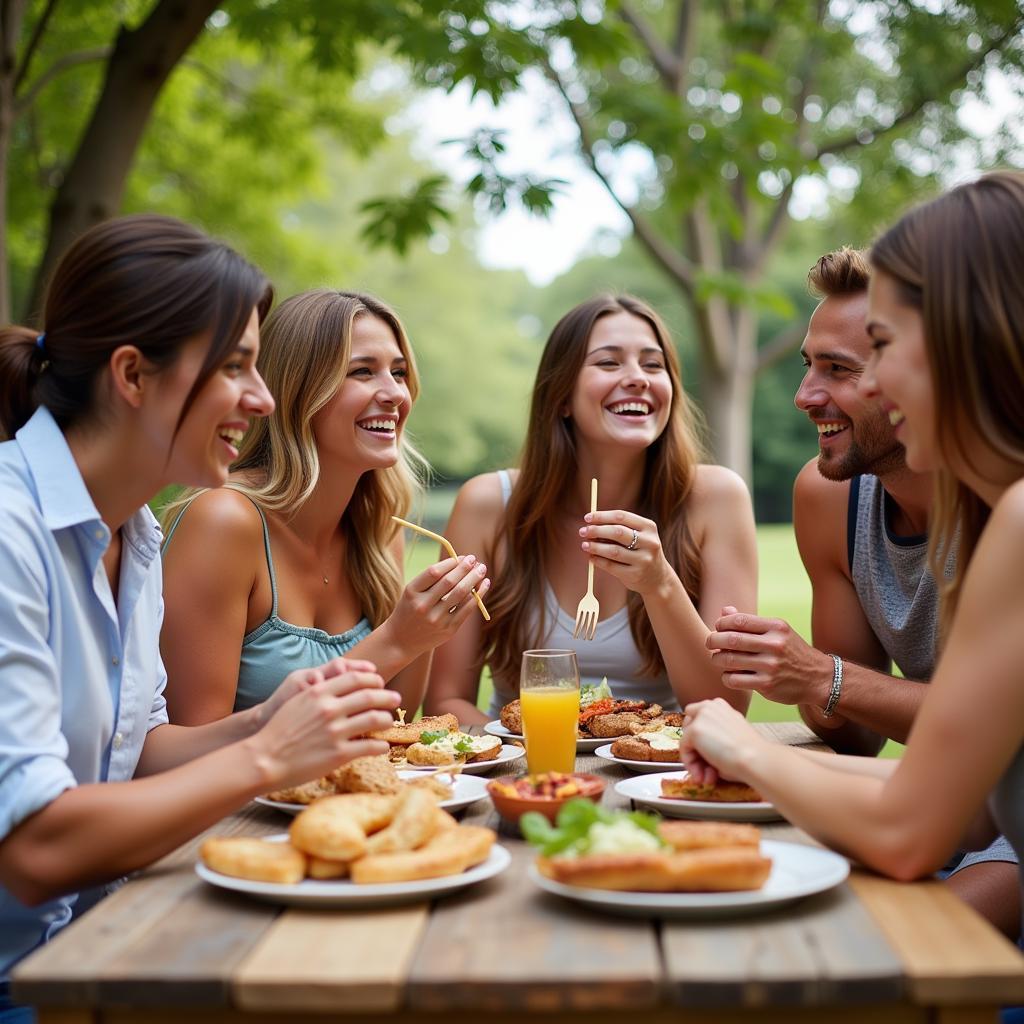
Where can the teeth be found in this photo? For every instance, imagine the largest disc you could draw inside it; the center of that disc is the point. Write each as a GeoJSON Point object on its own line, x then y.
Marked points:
{"type": "Point", "coordinates": [233, 435]}
{"type": "Point", "coordinates": [895, 417]}
{"type": "Point", "coordinates": [830, 428]}
{"type": "Point", "coordinates": [641, 407]}
{"type": "Point", "coordinates": [388, 425]}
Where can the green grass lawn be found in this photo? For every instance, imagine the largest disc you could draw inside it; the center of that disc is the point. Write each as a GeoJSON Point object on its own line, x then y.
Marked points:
{"type": "Point", "coordinates": [783, 591]}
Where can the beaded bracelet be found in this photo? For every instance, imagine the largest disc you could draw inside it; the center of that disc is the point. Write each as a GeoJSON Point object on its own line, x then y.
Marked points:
{"type": "Point", "coordinates": [837, 685]}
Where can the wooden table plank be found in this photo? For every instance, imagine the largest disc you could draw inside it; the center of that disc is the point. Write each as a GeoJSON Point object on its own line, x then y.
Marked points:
{"type": "Point", "coordinates": [820, 951]}
{"type": "Point", "coordinates": [99, 947]}
{"type": "Point", "coordinates": [320, 960]}
{"type": "Point", "coordinates": [508, 946]}
{"type": "Point", "coordinates": [950, 954]}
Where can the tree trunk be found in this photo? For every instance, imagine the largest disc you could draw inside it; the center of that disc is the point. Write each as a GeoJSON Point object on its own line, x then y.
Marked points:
{"type": "Point", "coordinates": [93, 186]}
{"type": "Point", "coordinates": [727, 393]}
{"type": "Point", "coordinates": [11, 14]}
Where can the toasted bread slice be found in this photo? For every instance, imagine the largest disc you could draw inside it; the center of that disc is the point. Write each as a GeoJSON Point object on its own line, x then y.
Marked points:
{"type": "Point", "coordinates": [723, 791]}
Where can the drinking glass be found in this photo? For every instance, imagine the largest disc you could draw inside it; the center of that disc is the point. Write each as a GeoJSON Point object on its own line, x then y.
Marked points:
{"type": "Point", "coordinates": [549, 695]}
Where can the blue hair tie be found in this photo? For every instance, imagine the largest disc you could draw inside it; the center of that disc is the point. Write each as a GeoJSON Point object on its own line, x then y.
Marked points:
{"type": "Point", "coordinates": [40, 339]}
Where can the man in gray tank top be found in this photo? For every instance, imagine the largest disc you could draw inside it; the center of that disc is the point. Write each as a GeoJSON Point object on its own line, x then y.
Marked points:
{"type": "Point", "coordinates": [860, 518]}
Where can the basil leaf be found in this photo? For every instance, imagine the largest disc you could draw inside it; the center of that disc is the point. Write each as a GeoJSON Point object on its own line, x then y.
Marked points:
{"type": "Point", "coordinates": [429, 737]}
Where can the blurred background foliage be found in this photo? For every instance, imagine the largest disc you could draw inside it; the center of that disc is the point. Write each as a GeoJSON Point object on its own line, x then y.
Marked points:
{"type": "Point", "coordinates": [284, 128]}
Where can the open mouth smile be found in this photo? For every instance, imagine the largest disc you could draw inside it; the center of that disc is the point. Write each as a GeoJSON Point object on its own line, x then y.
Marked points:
{"type": "Point", "coordinates": [384, 427]}
{"type": "Point", "coordinates": [633, 409]}
{"type": "Point", "coordinates": [232, 437]}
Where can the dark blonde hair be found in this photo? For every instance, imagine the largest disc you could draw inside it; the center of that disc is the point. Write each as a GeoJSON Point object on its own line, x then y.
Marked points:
{"type": "Point", "coordinates": [305, 349]}
{"type": "Point", "coordinates": [149, 281]}
{"type": "Point", "coordinates": [548, 461]}
{"type": "Point", "coordinates": [957, 259]}
{"type": "Point", "coordinates": [837, 274]}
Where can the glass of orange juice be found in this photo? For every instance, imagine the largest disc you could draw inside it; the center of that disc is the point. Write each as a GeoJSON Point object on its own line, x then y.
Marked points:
{"type": "Point", "coordinates": [549, 695]}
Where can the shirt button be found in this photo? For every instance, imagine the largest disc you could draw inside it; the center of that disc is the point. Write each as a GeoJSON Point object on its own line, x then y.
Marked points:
{"type": "Point", "coordinates": [98, 535]}
{"type": "Point", "coordinates": [118, 740]}
{"type": "Point", "coordinates": [115, 660]}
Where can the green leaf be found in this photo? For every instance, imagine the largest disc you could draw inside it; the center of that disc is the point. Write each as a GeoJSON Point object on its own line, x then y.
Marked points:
{"type": "Point", "coordinates": [432, 736]}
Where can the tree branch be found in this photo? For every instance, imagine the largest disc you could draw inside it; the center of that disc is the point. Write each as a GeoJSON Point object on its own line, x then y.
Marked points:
{"type": "Point", "coordinates": [58, 67]}
{"type": "Point", "coordinates": [33, 43]}
{"type": "Point", "coordinates": [673, 262]}
{"type": "Point", "coordinates": [665, 61]}
{"type": "Point", "coordinates": [779, 346]}
{"type": "Point", "coordinates": [853, 141]}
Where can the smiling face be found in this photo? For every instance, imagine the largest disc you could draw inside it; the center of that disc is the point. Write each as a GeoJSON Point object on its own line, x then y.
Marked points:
{"type": "Point", "coordinates": [898, 375]}
{"type": "Point", "coordinates": [854, 433]}
{"type": "Point", "coordinates": [361, 425]}
{"type": "Point", "coordinates": [623, 392]}
{"type": "Point", "coordinates": [206, 443]}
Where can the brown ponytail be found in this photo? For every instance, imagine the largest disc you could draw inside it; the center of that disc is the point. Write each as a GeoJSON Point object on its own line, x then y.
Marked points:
{"type": "Point", "coordinates": [21, 361]}
{"type": "Point", "coordinates": [149, 281]}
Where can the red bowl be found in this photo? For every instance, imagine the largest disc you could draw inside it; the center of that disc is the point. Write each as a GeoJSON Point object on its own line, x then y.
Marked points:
{"type": "Point", "coordinates": [512, 808]}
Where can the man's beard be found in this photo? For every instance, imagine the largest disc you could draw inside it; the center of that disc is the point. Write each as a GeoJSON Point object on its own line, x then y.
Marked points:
{"type": "Point", "coordinates": [872, 449]}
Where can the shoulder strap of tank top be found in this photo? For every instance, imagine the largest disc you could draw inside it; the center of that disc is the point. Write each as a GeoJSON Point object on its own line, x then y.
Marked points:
{"type": "Point", "coordinates": [851, 519]}
{"type": "Point", "coordinates": [505, 478]}
{"type": "Point", "coordinates": [266, 540]}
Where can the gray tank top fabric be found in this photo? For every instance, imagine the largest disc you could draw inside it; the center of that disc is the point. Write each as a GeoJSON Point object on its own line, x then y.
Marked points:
{"type": "Point", "coordinates": [900, 600]}
{"type": "Point", "coordinates": [893, 581]}
{"type": "Point", "coordinates": [612, 652]}
{"type": "Point", "coordinates": [275, 647]}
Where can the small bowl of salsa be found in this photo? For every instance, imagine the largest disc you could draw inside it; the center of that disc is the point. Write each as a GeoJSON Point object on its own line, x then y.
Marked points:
{"type": "Point", "coordinates": [545, 793]}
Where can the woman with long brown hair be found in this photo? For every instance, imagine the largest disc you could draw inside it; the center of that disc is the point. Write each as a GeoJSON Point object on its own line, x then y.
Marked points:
{"type": "Point", "coordinates": [674, 541]}
{"type": "Point", "coordinates": [946, 314]}
{"type": "Point", "coordinates": [145, 365]}
{"type": "Point", "coordinates": [298, 560]}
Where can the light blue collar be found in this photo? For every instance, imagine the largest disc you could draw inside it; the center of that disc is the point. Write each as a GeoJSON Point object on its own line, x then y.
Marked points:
{"type": "Point", "coordinates": [64, 500]}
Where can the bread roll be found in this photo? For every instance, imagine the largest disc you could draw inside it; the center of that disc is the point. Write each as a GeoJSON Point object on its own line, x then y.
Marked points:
{"type": "Point", "coordinates": [335, 828]}
{"type": "Point", "coordinates": [254, 859]}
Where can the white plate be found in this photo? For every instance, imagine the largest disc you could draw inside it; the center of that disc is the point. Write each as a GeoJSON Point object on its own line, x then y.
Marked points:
{"type": "Point", "coordinates": [605, 753]}
{"type": "Point", "coordinates": [797, 871]}
{"type": "Point", "coordinates": [583, 745]}
{"type": "Point", "coordinates": [505, 755]}
{"type": "Point", "coordinates": [646, 790]}
{"type": "Point", "coordinates": [343, 893]}
{"type": "Point", "coordinates": [467, 789]}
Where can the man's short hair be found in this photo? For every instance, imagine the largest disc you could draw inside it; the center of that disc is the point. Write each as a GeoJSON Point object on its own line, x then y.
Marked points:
{"type": "Point", "coordinates": [843, 272]}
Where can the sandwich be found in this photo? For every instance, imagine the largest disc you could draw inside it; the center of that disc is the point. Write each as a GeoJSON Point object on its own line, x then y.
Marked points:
{"type": "Point", "coordinates": [592, 847]}
{"type": "Point", "coordinates": [723, 791]}
{"type": "Point", "coordinates": [660, 744]}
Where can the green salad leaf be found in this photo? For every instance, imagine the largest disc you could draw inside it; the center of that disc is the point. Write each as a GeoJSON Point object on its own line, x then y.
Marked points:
{"type": "Point", "coordinates": [429, 736]}
{"type": "Point", "coordinates": [570, 834]}
{"type": "Point", "coordinates": [588, 694]}
{"type": "Point", "coordinates": [464, 745]}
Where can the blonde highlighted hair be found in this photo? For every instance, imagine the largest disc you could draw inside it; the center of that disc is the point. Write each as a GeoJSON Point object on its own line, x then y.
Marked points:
{"type": "Point", "coordinates": [305, 347]}
{"type": "Point", "coordinates": [956, 259]}
{"type": "Point", "coordinates": [548, 461]}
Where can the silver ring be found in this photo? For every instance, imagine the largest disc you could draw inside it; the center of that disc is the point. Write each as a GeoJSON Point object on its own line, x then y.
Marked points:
{"type": "Point", "coordinates": [633, 542]}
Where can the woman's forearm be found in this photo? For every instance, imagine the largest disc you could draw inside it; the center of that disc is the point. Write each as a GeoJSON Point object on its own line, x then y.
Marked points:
{"type": "Point", "coordinates": [114, 829]}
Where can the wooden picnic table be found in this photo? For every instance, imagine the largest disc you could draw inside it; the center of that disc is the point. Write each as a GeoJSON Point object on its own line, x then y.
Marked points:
{"type": "Point", "coordinates": [166, 947]}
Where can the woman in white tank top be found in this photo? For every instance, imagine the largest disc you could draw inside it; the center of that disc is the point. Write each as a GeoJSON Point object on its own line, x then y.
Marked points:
{"type": "Point", "coordinates": [673, 541]}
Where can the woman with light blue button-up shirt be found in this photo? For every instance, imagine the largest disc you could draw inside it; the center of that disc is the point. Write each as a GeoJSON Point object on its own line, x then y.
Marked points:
{"type": "Point", "coordinates": [152, 332]}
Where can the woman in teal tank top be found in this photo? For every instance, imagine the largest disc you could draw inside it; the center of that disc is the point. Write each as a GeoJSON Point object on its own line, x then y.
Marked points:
{"type": "Point", "coordinates": [298, 560]}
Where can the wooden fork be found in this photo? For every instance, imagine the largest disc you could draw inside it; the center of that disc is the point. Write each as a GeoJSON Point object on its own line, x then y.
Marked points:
{"type": "Point", "coordinates": [588, 610]}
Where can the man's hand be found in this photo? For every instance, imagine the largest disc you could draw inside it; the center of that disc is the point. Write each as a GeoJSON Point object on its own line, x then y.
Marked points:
{"type": "Point", "coordinates": [769, 656]}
